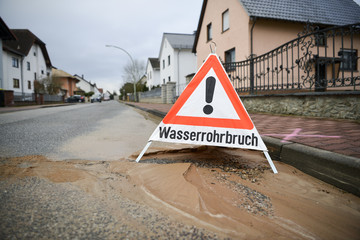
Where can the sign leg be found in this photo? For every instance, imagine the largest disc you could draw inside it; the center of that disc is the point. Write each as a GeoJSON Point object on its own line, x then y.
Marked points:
{"type": "Point", "coordinates": [270, 162]}
{"type": "Point", "coordinates": [143, 151]}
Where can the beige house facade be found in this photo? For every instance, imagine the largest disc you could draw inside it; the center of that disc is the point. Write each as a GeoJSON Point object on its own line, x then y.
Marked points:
{"type": "Point", "coordinates": [240, 29]}
{"type": "Point", "coordinates": [233, 27]}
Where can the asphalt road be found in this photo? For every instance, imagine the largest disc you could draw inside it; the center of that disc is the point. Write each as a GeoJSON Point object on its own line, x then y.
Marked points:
{"type": "Point", "coordinates": [78, 199]}
{"type": "Point", "coordinates": [96, 131]}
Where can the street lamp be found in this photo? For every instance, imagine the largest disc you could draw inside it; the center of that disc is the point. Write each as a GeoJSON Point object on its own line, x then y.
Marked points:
{"type": "Point", "coordinates": [134, 67]}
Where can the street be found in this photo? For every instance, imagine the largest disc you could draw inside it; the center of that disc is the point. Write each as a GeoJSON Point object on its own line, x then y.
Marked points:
{"type": "Point", "coordinates": [99, 131]}
{"type": "Point", "coordinates": [69, 172]}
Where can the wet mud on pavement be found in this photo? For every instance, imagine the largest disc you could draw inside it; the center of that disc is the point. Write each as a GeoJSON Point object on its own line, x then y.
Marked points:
{"type": "Point", "coordinates": [188, 193]}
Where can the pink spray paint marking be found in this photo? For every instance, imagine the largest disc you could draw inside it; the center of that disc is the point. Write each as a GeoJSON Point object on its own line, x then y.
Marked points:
{"type": "Point", "coordinates": [295, 134]}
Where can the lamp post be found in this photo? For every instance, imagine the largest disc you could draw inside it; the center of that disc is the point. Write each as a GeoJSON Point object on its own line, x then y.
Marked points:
{"type": "Point", "coordinates": [133, 64]}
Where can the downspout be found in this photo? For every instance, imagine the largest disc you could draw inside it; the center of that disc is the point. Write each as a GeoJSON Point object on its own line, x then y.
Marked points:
{"type": "Point", "coordinates": [1, 67]}
{"type": "Point", "coordinates": [251, 37]}
{"type": "Point", "coordinates": [22, 78]}
{"type": "Point", "coordinates": [252, 57]}
{"type": "Point", "coordinates": [178, 71]}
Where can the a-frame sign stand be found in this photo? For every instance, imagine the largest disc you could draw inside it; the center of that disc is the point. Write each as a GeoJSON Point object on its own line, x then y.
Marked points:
{"type": "Point", "coordinates": [209, 112]}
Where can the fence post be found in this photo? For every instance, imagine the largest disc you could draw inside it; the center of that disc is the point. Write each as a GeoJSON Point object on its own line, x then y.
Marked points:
{"type": "Point", "coordinates": [251, 74]}
{"type": "Point", "coordinates": [170, 92]}
{"type": "Point", "coordinates": [163, 93]}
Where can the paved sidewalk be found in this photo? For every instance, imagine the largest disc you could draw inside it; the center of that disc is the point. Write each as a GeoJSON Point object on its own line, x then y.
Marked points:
{"type": "Point", "coordinates": [30, 107]}
{"type": "Point", "coordinates": [339, 136]}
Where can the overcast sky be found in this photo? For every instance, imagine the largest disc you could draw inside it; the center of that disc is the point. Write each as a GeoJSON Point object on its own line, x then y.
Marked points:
{"type": "Point", "coordinates": [76, 31]}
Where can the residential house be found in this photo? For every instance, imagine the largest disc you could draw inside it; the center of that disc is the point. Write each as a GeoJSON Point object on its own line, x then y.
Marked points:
{"type": "Point", "coordinates": [240, 30]}
{"type": "Point", "coordinates": [107, 95]}
{"type": "Point", "coordinates": [85, 85]}
{"type": "Point", "coordinates": [5, 34]}
{"type": "Point", "coordinates": [68, 82]}
{"type": "Point", "coordinates": [24, 61]}
{"type": "Point", "coordinates": [143, 79]}
{"type": "Point", "coordinates": [176, 59]}
{"type": "Point", "coordinates": [153, 73]}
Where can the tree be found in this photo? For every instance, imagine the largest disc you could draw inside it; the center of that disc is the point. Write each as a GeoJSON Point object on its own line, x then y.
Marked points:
{"type": "Point", "coordinates": [39, 87]}
{"type": "Point", "coordinates": [53, 85]}
{"type": "Point", "coordinates": [89, 94]}
{"type": "Point", "coordinates": [48, 85]}
{"type": "Point", "coordinates": [129, 88]}
{"type": "Point", "coordinates": [132, 73]}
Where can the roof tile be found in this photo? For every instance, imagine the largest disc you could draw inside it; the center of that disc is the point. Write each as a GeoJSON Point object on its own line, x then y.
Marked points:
{"type": "Point", "coordinates": [328, 12]}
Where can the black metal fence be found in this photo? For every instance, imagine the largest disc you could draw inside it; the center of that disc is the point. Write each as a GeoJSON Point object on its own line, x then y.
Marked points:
{"type": "Point", "coordinates": [318, 60]}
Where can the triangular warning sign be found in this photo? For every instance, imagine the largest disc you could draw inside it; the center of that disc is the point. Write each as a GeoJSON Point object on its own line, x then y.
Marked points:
{"type": "Point", "coordinates": [209, 112]}
{"type": "Point", "coordinates": [224, 101]}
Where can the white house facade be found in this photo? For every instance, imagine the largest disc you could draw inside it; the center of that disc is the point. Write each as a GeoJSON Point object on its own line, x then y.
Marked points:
{"type": "Point", "coordinates": [84, 84]}
{"type": "Point", "coordinates": [24, 61]}
{"type": "Point", "coordinates": [5, 34]}
{"type": "Point", "coordinates": [176, 59]}
{"type": "Point", "coordinates": [153, 73]}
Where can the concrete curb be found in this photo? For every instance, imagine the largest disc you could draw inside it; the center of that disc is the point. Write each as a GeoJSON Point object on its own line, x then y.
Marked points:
{"type": "Point", "coordinates": [333, 168]}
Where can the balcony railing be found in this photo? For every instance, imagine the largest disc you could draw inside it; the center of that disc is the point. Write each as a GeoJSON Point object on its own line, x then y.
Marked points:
{"type": "Point", "coordinates": [318, 60]}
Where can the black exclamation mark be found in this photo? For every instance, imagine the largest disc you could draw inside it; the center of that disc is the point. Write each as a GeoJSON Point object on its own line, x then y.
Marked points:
{"type": "Point", "coordinates": [209, 94]}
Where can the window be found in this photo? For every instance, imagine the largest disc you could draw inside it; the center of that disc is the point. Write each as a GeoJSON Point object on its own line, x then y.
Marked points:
{"type": "Point", "coordinates": [169, 60]}
{"type": "Point", "coordinates": [15, 62]}
{"type": "Point", "coordinates": [164, 81]}
{"type": "Point", "coordinates": [230, 58]}
{"type": "Point", "coordinates": [163, 64]}
{"type": "Point", "coordinates": [35, 76]}
{"type": "Point", "coordinates": [320, 39]}
{"type": "Point", "coordinates": [16, 83]}
{"type": "Point", "coordinates": [29, 84]}
{"type": "Point", "coordinates": [169, 79]}
{"type": "Point", "coordinates": [349, 59]}
{"type": "Point", "coordinates": [209, 32]}
{"type": "Point", "coordinates": [28, 66]}
{"type": "Point", "coordinates": [34, 53]}
{"type": "Point", "coordinates": [225, 20]}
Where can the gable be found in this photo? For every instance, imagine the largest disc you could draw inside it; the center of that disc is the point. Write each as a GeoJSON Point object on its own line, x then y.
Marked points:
{"type": "Point", "coordinates": [25, 39]}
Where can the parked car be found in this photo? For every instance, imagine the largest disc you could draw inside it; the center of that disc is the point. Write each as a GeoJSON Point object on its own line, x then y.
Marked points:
{"type": "Point", "coordinates": [75, 98]}
{"type": "Point", "coordinates": [106, 98]}
{"type": "Point", "coordinates": [95, 98]}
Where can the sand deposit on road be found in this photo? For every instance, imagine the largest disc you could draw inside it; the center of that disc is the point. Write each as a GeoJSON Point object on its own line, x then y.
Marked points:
{"type": "Point", "coordinates": [197, 192]}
